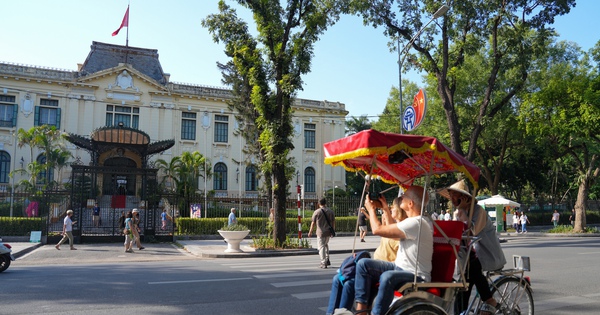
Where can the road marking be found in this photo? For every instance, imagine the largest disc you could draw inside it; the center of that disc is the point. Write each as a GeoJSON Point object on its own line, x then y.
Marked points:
{"type": "Point", "coordinates": [312, 295]}
{"type": "Point", "coordinates": [194, 281]}
{"type": "Point", "coordinates": [299, 283]}
{"type": "Point", "coordinates": [292, 274]}
{"type": "Point", "coordinates": [589, 253]}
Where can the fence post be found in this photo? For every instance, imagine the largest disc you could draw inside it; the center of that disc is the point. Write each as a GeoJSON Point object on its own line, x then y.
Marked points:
{"type": "Point", "coordinates": [299, 214]}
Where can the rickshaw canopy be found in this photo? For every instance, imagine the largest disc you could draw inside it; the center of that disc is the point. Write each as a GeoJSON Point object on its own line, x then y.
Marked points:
{"type": "Point", "coordinates": [397, 158]}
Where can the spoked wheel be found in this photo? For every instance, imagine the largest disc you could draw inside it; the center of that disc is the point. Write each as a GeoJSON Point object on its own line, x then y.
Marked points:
{"type": "Point", "coordinates": [513, 296]}
{"type": "Point", "coordinates": [4, 262]}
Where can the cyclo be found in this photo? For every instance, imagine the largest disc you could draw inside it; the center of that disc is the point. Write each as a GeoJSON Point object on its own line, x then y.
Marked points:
{"type": "Point", "coordinates": [400, 159]}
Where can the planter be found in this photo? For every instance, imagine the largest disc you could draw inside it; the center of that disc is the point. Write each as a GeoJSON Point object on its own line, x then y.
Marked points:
{"type": "Point", "coordinates": [233, 239]}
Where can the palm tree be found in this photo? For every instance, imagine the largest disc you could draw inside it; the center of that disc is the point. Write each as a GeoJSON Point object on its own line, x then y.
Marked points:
{"type": "Point", "coordinates": [171, 169]}
{"type": "Point", "coordinates": [357, 124]}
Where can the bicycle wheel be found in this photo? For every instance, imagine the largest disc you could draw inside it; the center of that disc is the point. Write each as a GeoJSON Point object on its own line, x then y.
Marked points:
{"type": "Point", "coordinates": [514, 297]}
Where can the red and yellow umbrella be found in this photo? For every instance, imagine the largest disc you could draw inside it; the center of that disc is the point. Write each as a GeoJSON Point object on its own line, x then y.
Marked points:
{"type": "Point", "coordinates": [396, 158]}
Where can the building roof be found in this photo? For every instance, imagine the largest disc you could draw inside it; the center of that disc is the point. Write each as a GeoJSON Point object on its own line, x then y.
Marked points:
{"type": "Point", "coordinates": [105, 56]}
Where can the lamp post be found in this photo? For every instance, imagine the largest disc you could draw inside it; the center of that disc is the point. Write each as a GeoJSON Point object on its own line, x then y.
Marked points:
{"type": "Point", "coordinates": [333, 206]}
{"type": "Point", "coordinates": [404, 52]}
{"type": "Point", "coordinates": [12, 178]}
{"type": "Point", "coordinates": [205, 126]}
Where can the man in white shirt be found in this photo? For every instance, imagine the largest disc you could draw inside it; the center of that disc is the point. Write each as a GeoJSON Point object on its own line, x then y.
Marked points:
{"type": "Point", "coordinates": [392, 275]}
{"type": "Point", "coordinates": [447, 216]}
{"type": "Point", "coordinates": [67, 231]}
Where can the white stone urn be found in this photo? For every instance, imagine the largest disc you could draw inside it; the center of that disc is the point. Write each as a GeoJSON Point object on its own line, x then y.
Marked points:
{"type": "Point", "coordinates": [233, 239]}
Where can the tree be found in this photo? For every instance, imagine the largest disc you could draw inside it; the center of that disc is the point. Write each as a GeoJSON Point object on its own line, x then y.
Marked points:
{"type": "Point", "coordinates": [275, 61]}
{"type": "Point", "coordinates": [511, 33]}
{"type": "Point", "coordinates": [357, 124]}
{"type": "Point", "coordinates": [563, 111]}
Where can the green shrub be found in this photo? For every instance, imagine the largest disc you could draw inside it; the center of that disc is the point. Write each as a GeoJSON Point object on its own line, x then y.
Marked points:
{"type": "Point", "coordinates": [21, 226]}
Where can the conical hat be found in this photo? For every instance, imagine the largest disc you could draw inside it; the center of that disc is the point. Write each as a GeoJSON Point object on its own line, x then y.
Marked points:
{"type": "Point", "coordinates": [460, 186]}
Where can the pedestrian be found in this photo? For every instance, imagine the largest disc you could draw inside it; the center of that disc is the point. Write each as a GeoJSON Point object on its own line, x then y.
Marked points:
{"type": "Point", "coordinates": [516, 222]}
{"type": "Point", "coordinates": [362, 223]}
{"type": "Point", "coordinates": [164, 217]}
{"type": "Point", "coordinates": [524, 222]}
{"type": "Point", "coordinates": [434, 215]}
{"type": "Point", "coordinates": [324, 220]}
{"type": "Point", "coordinates": [488, 254]}
{"type": "Point", "coordinates": [231, 220]}
{"type": "Point", "coordinates": [272, 215]}
{"type": "Point", "coordinates": [555, 218]}
{"type": "Point", "coordinates": [504, 219]}
{"type": "Point", "coordinates": [447, 216]}
{"type": "Point", "coordinates": [135, 228]}
{"type": "Point", "coordinates": [127, 231]}
{"type": "Point", "coordinates": [572, 217]}
{"type": "Point", "coordinates": [67, 230]}
{"type": "Point", "coordinates": [96, 215]}
{"type": "Point", "coordinates": [410, 263]}
{"type": "Point", "coordinates": [122, 221]}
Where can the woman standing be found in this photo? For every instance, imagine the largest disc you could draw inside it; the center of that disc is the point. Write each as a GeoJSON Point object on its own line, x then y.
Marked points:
{"type": "Point", "coordinates": [128, 233]}
{"type": "Point", "coordinates": [555, 217]}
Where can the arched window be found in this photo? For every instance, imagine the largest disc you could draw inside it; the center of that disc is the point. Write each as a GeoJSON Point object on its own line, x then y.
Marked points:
{"type": "Point", "coordinates": [309, 180]}
{"type": "Point", "coordinates": [251, 179]}
{"type": "Point", "coordinates": [43, 177]}
{"type": "Point", "coordinates": [220, 177]}
{"type": "Point", "coordinates": [4, 166]}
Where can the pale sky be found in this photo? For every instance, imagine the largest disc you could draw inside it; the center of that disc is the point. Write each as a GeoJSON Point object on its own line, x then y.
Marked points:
{"type": "Point", "coordinates": [352, 63]}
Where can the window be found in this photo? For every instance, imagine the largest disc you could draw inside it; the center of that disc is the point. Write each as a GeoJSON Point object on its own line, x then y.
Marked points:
{"type": "Point", "coordinates": [221, 128]}
{"type": "Point", "coordinates": [309, 136]}
{"type": "Point", "coordinates": [47, 113]}
{"type": "Point", "coordinates": [220, 177]}
{"type": "Point", "coordinates": [309, 180]}
{"type": "Point", "coordinates": [8, 111]}
{"type": "Point", "coordinates": [129, 116]}
{"type": "Point", "coordinates": [251, 179]}
{"type": "Point", "coordinates": [45, 176]}
{"type": "Point", "coordinates": [188, 126]}
{"type": "Point", "coordinates": [4, 166]}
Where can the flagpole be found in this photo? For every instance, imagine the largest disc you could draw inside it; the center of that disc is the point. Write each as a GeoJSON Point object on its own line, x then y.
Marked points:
{"type": "Point", "coordinates": [127, 38]}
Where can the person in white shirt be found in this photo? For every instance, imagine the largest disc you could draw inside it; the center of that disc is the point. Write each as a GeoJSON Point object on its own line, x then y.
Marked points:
{"type": "Point", "coordinates": [67, 231]}
{"type": "Point", "coordinates": [447, 216]}
{"type": "Point", "coordinates": [555, 218]}
{"type": "Point", "coordinates": [524, 222]}
{"type": "Point", "coordinates": [412, 234]}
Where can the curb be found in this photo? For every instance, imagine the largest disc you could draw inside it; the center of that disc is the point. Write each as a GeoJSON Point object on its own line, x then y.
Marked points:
{"type": "Point", "coordinates": [26, 251]}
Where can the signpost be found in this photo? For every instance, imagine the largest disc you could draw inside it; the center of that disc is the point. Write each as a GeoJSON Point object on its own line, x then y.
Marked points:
{"type": "Point", "coordinates": [413, 115]}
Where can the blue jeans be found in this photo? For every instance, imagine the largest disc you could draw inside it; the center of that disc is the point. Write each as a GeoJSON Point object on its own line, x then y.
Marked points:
{"type": "Point", "coordinates": [523, 227]}
{"type": "Point", "coordinates": [390, 277]}
{"type": "Point", "coordinates": [342, 295]}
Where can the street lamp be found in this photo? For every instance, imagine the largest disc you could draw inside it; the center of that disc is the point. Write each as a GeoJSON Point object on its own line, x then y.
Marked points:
{"type": "Point", "coordinates": [205, 126]}
{"type": "Point", "coordinates": [333, 206]}
{"type": "Point", "coordinates": [404, 52]}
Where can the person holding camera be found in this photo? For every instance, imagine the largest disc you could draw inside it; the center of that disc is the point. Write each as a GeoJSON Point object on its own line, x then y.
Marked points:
{"type": "Point", "coordinates": [324, 220]}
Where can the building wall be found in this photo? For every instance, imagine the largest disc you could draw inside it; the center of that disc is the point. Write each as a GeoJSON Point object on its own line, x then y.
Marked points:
{"type": "Point", "coordinates": [83, 101]}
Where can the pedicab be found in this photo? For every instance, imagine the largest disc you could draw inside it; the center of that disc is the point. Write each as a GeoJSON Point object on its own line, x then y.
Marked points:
{"type": "Point", "coordinates": [400, 159]}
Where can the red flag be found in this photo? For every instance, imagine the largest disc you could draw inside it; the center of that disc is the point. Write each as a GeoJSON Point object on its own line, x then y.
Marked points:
{"type": "Point", "coordinates": [125, 22]}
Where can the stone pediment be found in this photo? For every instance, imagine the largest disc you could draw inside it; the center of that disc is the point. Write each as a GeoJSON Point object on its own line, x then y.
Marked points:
{"type": "Point", "coordinates": [125, 79]}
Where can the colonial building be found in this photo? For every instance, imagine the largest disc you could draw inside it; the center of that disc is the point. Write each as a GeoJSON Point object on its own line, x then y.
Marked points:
{"type": "Point", "coordinates": [121, 86]}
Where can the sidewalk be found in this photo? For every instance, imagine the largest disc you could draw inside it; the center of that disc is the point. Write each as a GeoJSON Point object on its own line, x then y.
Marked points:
{"type": "Point", "coordinates": [215, 248]}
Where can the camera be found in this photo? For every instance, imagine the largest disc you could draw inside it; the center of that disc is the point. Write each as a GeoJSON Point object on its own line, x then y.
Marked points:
{"type": "Point", "coordinates": [374, 196]}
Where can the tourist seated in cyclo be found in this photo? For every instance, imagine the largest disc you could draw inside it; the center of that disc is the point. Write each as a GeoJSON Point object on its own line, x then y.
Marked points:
{"type": "Point", "coordinates": [341, 298]}
{"type": "Point", "coordinates": [487, 254]}
{"type": "Point", "coordinates": [392, 275]}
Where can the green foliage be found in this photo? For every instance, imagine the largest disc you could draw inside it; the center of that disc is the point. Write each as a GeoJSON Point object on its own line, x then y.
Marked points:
{"type": "Point", "coordinates": [264, 242]}
{"type": "Point", "coordinates": [234, 227]}
{"type": "Point", "coordinates": [19, 226]}
{"type": "Point", "coordinates": [568, 229]}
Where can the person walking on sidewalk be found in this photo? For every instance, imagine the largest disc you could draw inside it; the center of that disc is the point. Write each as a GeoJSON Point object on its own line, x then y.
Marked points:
{"type": "Point", "coordinates": [96, 215]}
{"type": "Point", "coordinates": [555, 218]}
{"type": "Point", "coordinates": [524, 222]}
{"type": "Point", "coordinates": [324, 219]}
{"type": "Point", "coordinates": [127, 230]}
{"type": "Point", "coordinates": [135, 228]}
{"type": "Point", "coordinates": [231, 220]}
{"type": "Point", "coordinates": [67, 231]}
{"type": "Point", "coordinates": [362, 223]}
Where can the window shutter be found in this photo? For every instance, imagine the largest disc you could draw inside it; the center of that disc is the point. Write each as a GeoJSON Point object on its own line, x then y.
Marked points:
{"type": "Point", "coordinates": [15, 113]}
{"type": "Point", "coordinates": [36, 119]}
{"type": "Point", "coordinates": [58, 118]}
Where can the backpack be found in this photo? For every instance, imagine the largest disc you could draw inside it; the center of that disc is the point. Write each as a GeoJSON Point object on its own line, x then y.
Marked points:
{"type": "Point", "coordinates": [348, 267]}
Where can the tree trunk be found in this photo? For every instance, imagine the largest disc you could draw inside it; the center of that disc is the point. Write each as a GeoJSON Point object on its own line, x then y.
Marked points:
{"type": "Point", "coordinates": [279, 199]}
{"type": "Point", "coordinates": [580, 205]}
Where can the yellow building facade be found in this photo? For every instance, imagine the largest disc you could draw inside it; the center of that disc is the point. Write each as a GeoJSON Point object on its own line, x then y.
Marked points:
{"type": "Point", "coordinates": [126, 86]}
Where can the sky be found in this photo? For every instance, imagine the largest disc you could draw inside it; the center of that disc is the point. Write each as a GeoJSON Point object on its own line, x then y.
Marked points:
{"type": "Point", "coordinates": [352, 63]}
